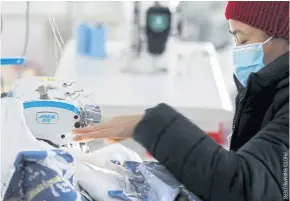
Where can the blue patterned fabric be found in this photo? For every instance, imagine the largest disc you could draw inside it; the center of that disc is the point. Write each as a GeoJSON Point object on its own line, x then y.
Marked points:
{"type": "Point", "coordinates": [151, 181]}
{"type": "Point", "coordinates": [43, 176]}
{"type": "Point", "coordinates": [49, 176]}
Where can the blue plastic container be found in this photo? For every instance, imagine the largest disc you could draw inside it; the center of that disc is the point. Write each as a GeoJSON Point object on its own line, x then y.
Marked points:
{"type": "Point", "coordinates": [83, 39]}
{"type": "Point", "coordinates": [98, 42]}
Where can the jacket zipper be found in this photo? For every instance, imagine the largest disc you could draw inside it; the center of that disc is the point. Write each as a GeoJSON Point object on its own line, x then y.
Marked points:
{"type": "Point", "coordinates": [239, 106]}
{"type": "Point", "coordinates": [235, 119]}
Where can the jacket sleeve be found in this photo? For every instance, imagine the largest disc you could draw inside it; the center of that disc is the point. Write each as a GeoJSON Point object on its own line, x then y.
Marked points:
{"type": "Point", "coordinates": [255, 172]}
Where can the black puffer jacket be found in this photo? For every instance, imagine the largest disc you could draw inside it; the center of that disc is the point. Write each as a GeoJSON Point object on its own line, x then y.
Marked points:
{"type": "Point", "coordinates": [253, 169]}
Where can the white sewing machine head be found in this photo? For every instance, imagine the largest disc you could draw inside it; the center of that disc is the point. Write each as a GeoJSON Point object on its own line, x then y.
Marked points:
{"type": "Point", "coordinates": [53, 108]}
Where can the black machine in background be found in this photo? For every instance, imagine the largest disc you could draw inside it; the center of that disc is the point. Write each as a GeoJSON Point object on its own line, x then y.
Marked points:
{"type": "Point", "coordinates": [158, 27]}
{"type": "Point", "coordinates": [137, 42]}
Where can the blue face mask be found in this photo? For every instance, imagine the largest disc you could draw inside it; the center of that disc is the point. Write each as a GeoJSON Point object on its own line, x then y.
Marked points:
{"type": "Point", "coordinates": [248, 59]}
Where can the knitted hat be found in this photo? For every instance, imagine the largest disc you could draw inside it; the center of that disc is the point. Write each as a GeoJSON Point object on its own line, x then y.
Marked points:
{"type": "Point", "coordinates": [269, 16]}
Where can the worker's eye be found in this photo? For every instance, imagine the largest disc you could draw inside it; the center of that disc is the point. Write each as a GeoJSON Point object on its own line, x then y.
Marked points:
{"type": "Point", "coordinates": [243, 42]}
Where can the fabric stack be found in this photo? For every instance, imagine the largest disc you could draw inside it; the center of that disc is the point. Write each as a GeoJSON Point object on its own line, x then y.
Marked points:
{"type": "Point", "coordinates": [50, 175]}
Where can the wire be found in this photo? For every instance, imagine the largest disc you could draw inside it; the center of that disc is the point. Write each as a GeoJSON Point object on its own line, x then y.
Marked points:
{"type": "Point", "coordinates": [57, 35]}
{"type": "Point", "coordinates": [1, 18]}
{"type": "Point", "coordinates": [60, 38]}
{"type": "Point", "coordinates": [27, 28]}
{"type": "Point", "coordinates": [58, 42]}
{"type": "Point", "coordinates": [2, 26]}
{"type": "Point", "coordinates": [26, 38]}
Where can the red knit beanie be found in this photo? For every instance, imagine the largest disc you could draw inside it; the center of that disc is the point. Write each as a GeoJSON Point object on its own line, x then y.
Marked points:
{"type": "Point", "coordinates": [269, 16]}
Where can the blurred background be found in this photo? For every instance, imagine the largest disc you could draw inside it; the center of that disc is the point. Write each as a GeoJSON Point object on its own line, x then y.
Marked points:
{"type": "Point", "coordinates": [201, 21]}
{"type": "Point", "coordinates": [50, 36]}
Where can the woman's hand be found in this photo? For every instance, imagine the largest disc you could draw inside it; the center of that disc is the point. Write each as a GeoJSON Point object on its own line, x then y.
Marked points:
{"type": "Point", "coordinates": [118, 129]}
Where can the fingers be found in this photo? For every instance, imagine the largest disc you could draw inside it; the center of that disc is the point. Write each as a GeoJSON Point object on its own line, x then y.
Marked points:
{"type": "Point", "coordinates": [81, 138]}
{"type": "Point", "coordinates": [113, 140]}
{"type": "Point", "coordinates": [118, 127]}
{"type": "Point", "coordinates": [96, 134]}
{"type": "Point", "coordinates": [106, 140]}
{"type": "Point", "coordinates": [91, 128]}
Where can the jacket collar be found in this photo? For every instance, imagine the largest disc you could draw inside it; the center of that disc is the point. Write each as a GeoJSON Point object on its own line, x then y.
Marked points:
{"type": "Point", "coordinates": [275, 72]}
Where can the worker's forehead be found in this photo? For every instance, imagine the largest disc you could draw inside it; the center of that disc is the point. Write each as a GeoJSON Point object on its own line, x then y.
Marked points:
{"type": "Point", "coordinates": [242, 28]}
{"type": "Point", "coordinates": [237, 26]}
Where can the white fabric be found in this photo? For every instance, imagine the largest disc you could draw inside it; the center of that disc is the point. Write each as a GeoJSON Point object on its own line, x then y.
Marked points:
{"type": "Point", "coordinates": [15, 136]}
{"type": "Point", "coordinates": [101, 175]}
{"type": "Point", "coordinates": [97, 179]}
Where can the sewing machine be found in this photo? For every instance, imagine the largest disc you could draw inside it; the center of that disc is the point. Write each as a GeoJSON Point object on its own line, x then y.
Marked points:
{"type": "Point", "coordinates": [52, 108]}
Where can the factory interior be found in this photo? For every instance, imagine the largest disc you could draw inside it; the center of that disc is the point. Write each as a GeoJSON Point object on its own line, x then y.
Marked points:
{"type": "Point", "coordinates": [75, 64]}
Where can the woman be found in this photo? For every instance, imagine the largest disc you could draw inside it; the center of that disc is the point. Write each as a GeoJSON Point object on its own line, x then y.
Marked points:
{"type": "Point", "coordinates": [253, 168]}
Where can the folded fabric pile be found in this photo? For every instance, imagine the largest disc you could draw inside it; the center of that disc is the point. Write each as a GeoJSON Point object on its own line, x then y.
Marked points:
{"type": "Point", "coordinates": [42, 175]}
{"type": "Point", "coordinates": [50, 176]}
{"type": "Point", "coordinates": [150, 181]}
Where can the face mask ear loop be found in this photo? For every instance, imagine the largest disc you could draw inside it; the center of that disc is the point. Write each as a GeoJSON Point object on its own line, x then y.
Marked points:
{"type": "Point", "coordinates": [267, 40]}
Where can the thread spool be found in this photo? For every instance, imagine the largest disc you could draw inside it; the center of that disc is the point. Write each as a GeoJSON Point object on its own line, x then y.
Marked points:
{"type": "Point", "coordinates": [83, 38]}
{"type": "Point", "coordinates": [98, 42]}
